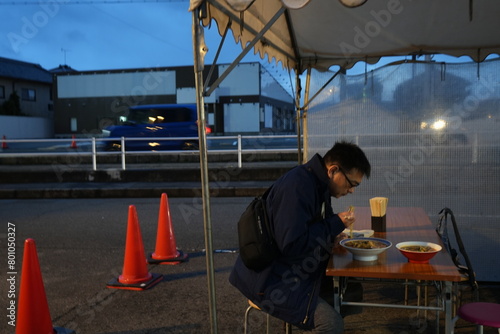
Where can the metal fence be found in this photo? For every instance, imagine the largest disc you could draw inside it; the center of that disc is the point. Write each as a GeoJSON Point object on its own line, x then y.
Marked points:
{"type": "Point", "coordinates": [94, 146]}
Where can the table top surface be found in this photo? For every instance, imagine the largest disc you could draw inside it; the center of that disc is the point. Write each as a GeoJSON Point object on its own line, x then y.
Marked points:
{"type": "Point", "coordinates": [402, 224]}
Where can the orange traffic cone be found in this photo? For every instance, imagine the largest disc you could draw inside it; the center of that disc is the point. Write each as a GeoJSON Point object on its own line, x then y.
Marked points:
{"type": "Point", "coordinates": [135, 275]}
{"type": "Point", "coordinates": [166, 251]}
{"type": "Point", "coordinates": [4, 142]}
{"type": "Point", "coordinates": [73, 142]}
{"type": "Point", "coordinates": [33, 314]}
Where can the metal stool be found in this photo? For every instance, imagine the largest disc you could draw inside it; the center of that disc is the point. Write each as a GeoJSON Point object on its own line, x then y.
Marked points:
{"type": "Point", "coordinates": [481, 314]}
{"type": "Point", "coordinates": [252, 306]}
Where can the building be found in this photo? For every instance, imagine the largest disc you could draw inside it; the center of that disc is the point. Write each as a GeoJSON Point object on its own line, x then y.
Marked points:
{"type": "Point", "coordinates": [37, 103]}
{"type": "Point", "coordinates": [26, 106]}
{"type": "Point", "coordinates": [248, 101]}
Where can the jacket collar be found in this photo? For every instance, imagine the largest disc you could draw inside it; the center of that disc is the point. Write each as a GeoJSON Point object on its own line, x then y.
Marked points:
{"type": "Point", "coordinates": [317, 166]}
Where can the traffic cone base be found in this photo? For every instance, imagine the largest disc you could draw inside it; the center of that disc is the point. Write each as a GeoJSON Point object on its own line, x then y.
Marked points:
{"type": "Point", "coordinates": [153, 258]}
{"type": "Point", "coordinates": [155, 279]}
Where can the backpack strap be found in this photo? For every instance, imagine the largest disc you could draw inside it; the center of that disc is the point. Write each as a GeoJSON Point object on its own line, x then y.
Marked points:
{"type": "Point", "coordinates": [264, 195]}
{"type": "Point", "coordinates": [444, 235]}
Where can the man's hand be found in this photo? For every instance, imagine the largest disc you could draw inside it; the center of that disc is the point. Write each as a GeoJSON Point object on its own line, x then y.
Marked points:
{"type": "Point", "coordinates": [347, 218]}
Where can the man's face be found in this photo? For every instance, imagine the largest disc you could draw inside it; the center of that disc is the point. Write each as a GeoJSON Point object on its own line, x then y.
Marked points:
{"type": "Point", "coordinates": [343, 182]}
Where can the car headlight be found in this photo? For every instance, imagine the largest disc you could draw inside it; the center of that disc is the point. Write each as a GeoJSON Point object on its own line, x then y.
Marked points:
{"type": "Point", "coordinates": [438, 125]}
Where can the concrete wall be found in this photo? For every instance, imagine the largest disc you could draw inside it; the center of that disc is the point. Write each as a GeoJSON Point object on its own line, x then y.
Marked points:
{"type": "Point", "coordinates": [17, 127]}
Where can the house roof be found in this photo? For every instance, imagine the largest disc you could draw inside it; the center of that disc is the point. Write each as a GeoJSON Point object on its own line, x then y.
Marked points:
{"type": "Point", "coordinates": [15, 69]}
{"type": "Point", "coordinates": [63, 69]}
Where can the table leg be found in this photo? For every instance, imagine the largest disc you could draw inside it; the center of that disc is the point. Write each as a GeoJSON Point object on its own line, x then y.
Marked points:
{"type": "Point", "coordinates": [448, 307]}
{"type": "Point", "coordinates": [336, 293]}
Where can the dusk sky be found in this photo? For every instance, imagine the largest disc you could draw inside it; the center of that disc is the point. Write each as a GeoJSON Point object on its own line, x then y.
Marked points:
{"type": "Point", "coordinates": [95, 35]}
{"type": "Point", "coordinates": [110, 34]}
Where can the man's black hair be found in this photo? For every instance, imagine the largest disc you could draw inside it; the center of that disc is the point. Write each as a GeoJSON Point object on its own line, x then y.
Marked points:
{"type": "Point", "coordinates": [348, 156]}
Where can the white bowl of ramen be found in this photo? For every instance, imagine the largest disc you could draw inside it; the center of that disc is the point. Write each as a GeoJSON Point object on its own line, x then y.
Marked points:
{"type": "Point", "coordinates": [366, 249]}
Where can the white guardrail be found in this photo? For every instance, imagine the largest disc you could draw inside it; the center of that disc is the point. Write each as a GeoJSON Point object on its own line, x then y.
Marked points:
{"type": "Point", "coordinates": [92, 146]}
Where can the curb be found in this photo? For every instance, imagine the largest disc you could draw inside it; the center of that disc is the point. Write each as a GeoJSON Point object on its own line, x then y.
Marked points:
{"type": "Point", "coordinates": [69, 193]}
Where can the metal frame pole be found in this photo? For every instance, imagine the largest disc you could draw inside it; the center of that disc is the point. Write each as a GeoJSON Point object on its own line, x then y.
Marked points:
{"type": "Point", "coordinates": [298, 116]}
{"type": "Point", "coordinates": [94, 154]}
{"type": "Point", "coordinates": [305, 135]}
{"type": "Point", "coordinates": [199, 49]}
{"type": "Point", "coordinates": [123, 152]}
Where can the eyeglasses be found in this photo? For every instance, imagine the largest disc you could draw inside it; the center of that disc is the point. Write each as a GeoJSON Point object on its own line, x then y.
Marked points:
{"type": "Point", "coordinates": [351, 183]}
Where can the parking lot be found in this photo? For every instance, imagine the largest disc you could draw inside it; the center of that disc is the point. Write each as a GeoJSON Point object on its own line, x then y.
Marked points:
{"type": "Point", "coordinates": [80, 244]}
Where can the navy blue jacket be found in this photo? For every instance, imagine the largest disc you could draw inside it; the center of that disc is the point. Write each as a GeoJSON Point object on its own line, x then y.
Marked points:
{"type": "Point", "coordinates": [288, 289]}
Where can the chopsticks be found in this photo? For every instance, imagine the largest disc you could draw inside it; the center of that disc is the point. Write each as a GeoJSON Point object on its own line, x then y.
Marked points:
{"type": "Point", "coordinates": [351, 234]}
{"type": "Point", "coordinates": [378, 206]}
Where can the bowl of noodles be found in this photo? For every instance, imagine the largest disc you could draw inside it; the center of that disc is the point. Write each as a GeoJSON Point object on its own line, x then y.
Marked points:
{"type": "Point", "coordinates": [366, 249]}
{"type": "Point", "coordinates": [418, 251]}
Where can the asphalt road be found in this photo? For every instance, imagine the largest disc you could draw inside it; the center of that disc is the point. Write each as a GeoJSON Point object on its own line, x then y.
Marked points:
{"type": "Point", "coordinates": [80, 245]}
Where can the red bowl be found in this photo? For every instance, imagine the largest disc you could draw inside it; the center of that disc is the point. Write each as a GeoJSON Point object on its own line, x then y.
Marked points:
{"type": "Point", "coordinates": [418, 256]}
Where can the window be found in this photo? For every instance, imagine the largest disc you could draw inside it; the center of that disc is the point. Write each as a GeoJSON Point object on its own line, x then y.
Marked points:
{"type": "Point", "coordinates": [28, 94]}
{"type": "Point", "coordinates": [152, 116]}
{"type": "Point", "coordinates": [73, 124]}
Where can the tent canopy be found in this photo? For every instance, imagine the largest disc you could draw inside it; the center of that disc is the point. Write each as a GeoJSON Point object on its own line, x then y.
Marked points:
{"type": "Point", "coordinates": [324, 33]}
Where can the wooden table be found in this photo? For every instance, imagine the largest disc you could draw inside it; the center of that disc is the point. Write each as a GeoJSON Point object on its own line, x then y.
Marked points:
{"type": "Point", "coordinates": [403, 224]}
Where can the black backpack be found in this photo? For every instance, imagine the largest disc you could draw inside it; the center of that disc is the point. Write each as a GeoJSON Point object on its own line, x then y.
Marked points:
{"type": "Point", "coordinates": [257, 244]}
{"type": "Point", "coordinates": [465, 269]}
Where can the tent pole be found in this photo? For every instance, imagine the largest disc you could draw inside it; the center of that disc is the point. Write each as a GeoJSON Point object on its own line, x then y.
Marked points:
{"type": "Point", "coordinates": [200, 49]}
{"type": "Point", "coordinates": [304, 115]}
{"type": "Point", "coordinates": [298, 89]}
{"type": "Point", "coordinates": [306, 105]}
{"type": "Point", "coordinates": [216, 58]}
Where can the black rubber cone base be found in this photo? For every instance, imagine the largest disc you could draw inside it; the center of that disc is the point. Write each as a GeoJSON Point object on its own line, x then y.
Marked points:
{"type": "Point", "coordinates": [181, 257]}
{"type": "Point", "coordinates": [155, 279]}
